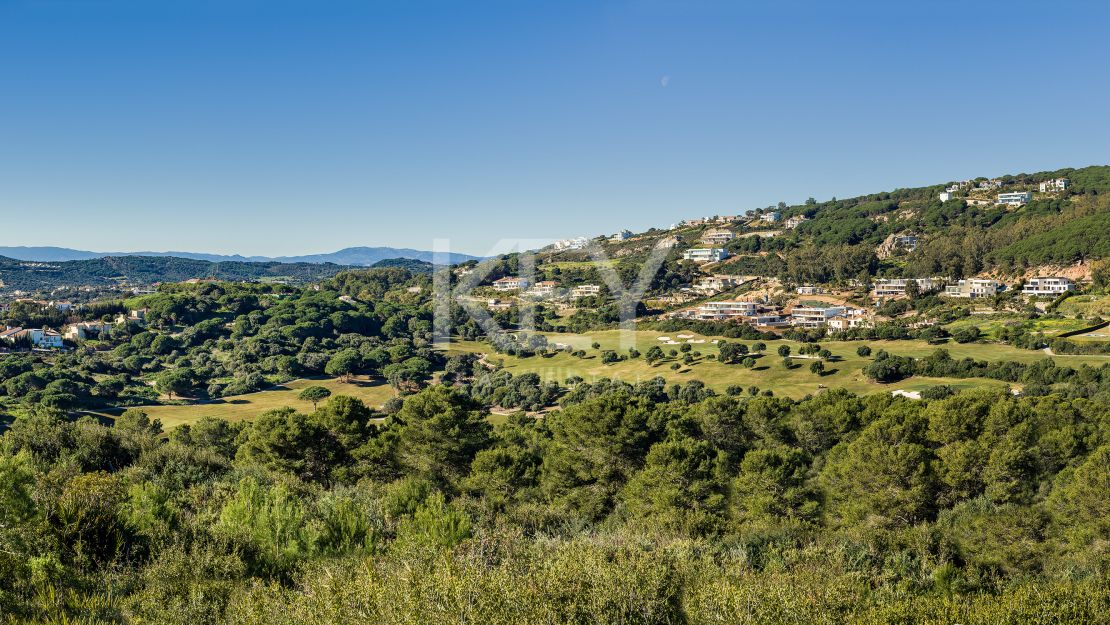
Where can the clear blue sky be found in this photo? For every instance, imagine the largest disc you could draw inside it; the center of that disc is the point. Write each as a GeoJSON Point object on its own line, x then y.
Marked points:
{"type": "Point", "coordinates": [283, 127]}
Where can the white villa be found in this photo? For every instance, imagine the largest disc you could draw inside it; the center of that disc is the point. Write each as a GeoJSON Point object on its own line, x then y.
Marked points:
{"type": "Point", "coordinates": [718, 236]}
{"type": "Point", "coordinates": [1048, 285]}
{"type": "Point", "coordinates": [1015, 198]}
{"type": "Point", "coordinates": [81, 331]}
{"type": "Point", "coordinates": [794, 222]}
{"type": "Point", "coordinates": [544, 288]}
{"type": "Point", "coordinates": [623, 235]}
{"type": "Point", "coordinates": [716, 284]}
{"type": "Point", "coordinates": [1056, 184]}
{"type": "Point", "coordinates": [974, 288]}
{"type": "Point", "coordinates": [585, 290]}
{"type": "Point", "coordinates": [510, 284]}
{"type": "Point", "coordinates": [814, 316]}
{"type": "Point", "coordinates": [705, 255]}
{"type": "Point", "coordinates": [570, 244]}
{"type": "Point", "coordinates": [41, 338]}
{"type": "Point", "coordinates": [893, 287]}
{"type": "Point", "coordinates": [727, 309]}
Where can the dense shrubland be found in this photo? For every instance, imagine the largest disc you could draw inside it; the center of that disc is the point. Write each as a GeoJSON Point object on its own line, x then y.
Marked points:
{"type": "Point", "coordinates": [632, 503]}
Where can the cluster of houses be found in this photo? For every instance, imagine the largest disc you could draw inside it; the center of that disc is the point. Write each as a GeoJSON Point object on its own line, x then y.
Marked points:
{"type": "Point", "coordinates": [973, 288]}
{"type": "Point", "coordinates": [1012, 198]}
{"type": "Point", "coordinates": [760, 314]}
{"type": "Point", "coordinates": [46, 338]}
{"type": "Point", "coordinates": [543, 289]}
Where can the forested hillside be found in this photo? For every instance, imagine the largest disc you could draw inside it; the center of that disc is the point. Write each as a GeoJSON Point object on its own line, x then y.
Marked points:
{"type": "Point", "coordinates": [32, 276]}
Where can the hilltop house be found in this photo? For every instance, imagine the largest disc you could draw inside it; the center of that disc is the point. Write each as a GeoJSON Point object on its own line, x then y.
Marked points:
{"type": "Point", "coordinates": [1048, 285]}
{"type": "Point", "coordinates": [807, 289]}
{"type": "Point", "coordinates": [623, 235]}
{"type": "Point", "coordinates": [1056, 184]}
{"type": "Point", "coordinates": [510, 284]}
{"type": "Point", "coordinates": [946, 195]}
{"type": "Point", "coordinates": [705, 255]}
{"type": "Point", "coordinates": [974, 288]}
{"type": "Point", "coordinates": [1015, 198]}
{"type": "Point", "coordinates": [718, 236]}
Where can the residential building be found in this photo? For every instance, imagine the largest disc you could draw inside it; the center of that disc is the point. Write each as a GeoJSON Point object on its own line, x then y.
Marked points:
{"type": "Point", "coordinates": [773, 216]}
{"type": "Point", "coordinates": [623, 235]}
{"type": "Point", "coordinates": [727, 309]}
{"type": "Point", "coordinates": [768, 320]}
{"type": "Point", "coordinates": [996, 183]}
{"type": "Point", "coordinates": [1048, 285]}
{"type": "Point", "coordinates": [510, 284]}
{"type": "Point", "coordinates": [946, 195]}
{"type": "Point", "coordinates": [887, 287]}
{"type": "Point", "coordinates": [808, 290]}
{"type": "Point", "coordinates": [1056, 184]}
{"type": "Point", "coordinates": [718, 236]}
{"type": "Point", "coordinates": [705, 255]}
{"type": "Point", "coordinates": [1015, 198]}
{"type": "Point", "coordinates": [40, 338]}
{"type": "Point", "coordinates": [496, 304]}
{"type": "Point", "coordinates": [576, 243]}
{"type": "Point", "coordinates": [845, 322]}
{"type": "Point", "coordinates": [794, 222]}
{"type": "Point", "coordinates": [814, 316]}
{"type": "Point", "coordinates": [585, 290]}
{"type": "Point", "coordinates": [716, 284]}
{"type": "Point", "coordinates": [544, 288]}
{"type": "Point", "coordinates": [81, 331]}
{"type": "Point", "coordinates": [974, 288]}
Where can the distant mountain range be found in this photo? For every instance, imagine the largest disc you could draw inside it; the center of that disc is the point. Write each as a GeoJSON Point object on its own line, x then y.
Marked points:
{"type": "Point", "coordinates": [351, 256]}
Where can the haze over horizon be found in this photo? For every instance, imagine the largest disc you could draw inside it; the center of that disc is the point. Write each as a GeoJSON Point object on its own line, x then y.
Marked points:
{"type": "Point", "coordinates": [283, 129]}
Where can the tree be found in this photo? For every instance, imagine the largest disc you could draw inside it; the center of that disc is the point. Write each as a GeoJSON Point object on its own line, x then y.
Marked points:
{"type": "Point", "coordinates": [677, 490]}
{"type": "Point", "coordinates": [314, 394]}
{"type": "Point", "coordinates": [863, 351]}
{"type": "Point", "coordinates": [784, 350]}
{"type": "Point", "coordinates": [286, 440]}
{"type": "Point", "coordinates": [442, 431]}
{"type": "Point", "coordinates": [176, 381]}
{"type": "Point", "coordinates": [343, 364]}
{"type": "Point", "coordinates": [817, 367]}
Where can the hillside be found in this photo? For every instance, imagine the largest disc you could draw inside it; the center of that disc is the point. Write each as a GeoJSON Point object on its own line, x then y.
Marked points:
{"type": "Point", "coordinates": [845, 239]}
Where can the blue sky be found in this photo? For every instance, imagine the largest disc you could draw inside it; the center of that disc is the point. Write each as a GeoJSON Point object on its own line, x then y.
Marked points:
{"type": "Point", "coordinates": [284, 127]}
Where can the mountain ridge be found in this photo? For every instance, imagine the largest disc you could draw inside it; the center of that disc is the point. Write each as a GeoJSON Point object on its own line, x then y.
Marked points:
{"type": "Point", "coordinates": [360, 256]}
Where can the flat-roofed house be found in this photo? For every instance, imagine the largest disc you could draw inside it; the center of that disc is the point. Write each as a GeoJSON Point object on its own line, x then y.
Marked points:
{"type": "Point", "coordinates": [1015, 198]}
{"type": "Point", "coordinates": [726, 309]}
{"type": "Point", "coordinates": [814, 316]}
{"type": "Point", "coordinates": [510, 284]}
{"type": "Point", "coordinates": [718, 236]}
{"type": "Point", "coordinates": [974, 288]}
{"type": "Point", "coordinates": [585, 290]}
{"type": "Point", "coordinates": [1048, 285]}
{"type": "Point", "coordinates": [705, 255]}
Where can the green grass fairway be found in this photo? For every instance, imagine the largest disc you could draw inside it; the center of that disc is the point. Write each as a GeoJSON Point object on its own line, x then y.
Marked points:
{"type": "Point", "coordinates": [768, 373]}
{"type": "Point", "coordinates": [247, 407]}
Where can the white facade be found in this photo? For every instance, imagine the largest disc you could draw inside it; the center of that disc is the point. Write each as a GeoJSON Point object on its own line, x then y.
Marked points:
{"type": "Point", "coordinates": [718, 237]}
{"type": "Point", "coordinates": [718, 283]}
{"type": "Point", "coordinates": [545, 288]}
{"type": "Point", "coordinates": [80, 331]}
{"type": "Point", "coordinates": [946, 195]}
{"type": "Point", "coordinates": [974, 288]}
{"type": "Point", "coordinates": [1015, 198]}
{"type": "Point", "coordinates": [510, 284]}
{"type": "Point", "coordinates": [808, 290]}
{"type": "Point", "coordinates": [897, 286]}
{"type": "Point", "coordinates": [814, 316]}
{"type": "Point", "coordinates": [705, 255]}
{"type": "Point", "coordinates": [585, 290]}
{"type": "Point", "coordinates": [727, 309]}
{"type": "Point", "coordinates": [1051, 285]}
{"type": "Point", "coordinates": [570, 244]}
{"type": "Point", "coordinates": [623, 235]}
{"type": "Point", "coordinates": [794, 222]}
{"type": "Point", "coordinates": [1056, 184]}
